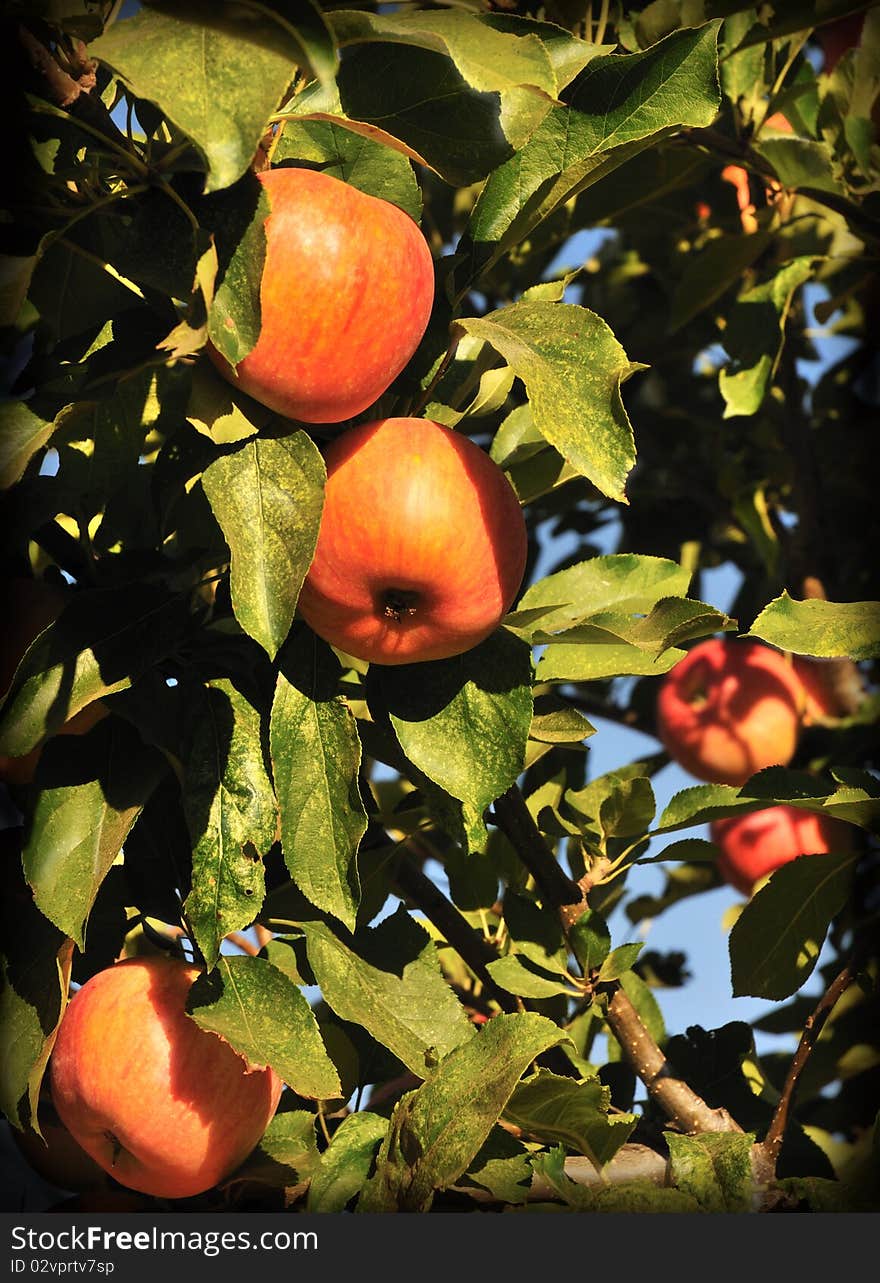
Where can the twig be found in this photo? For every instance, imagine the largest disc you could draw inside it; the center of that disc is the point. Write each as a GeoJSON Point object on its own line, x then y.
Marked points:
{"type": "Point", "coordinates": [812, 1029]}
{"type": "Point", "coordinates": [241, 942]}
{"type": "Point", "coordinates": [472, 948]}
{"type": "Point", "coordinates": [444, 365]}
{"type": "Point", "coordinates": [514, 819]}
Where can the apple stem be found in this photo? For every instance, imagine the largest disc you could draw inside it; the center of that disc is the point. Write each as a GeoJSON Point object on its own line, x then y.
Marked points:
{"type": "Point", "coordinates": [398, 603]}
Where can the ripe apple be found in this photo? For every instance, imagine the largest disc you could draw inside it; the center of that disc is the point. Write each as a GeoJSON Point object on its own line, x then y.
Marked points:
{"type": "Point", "coordinates": [728, 709]}
{"type": "Point", "coordinates": [345, 297]}
{"type": "Point", "coordinates": [838, 37]}
{"type": "Point", "coordinates": [422, 544]}
{"type": "Point", "coordinates": [27, 607]}
{"type": "Point", "coordinates": [819, 700]}
{"type": "Point", "coordinates": [753, 845]}
{"type": "Point", "coordinates": [739, 178]}
{"type": "Point", "coordinates": [163, 1106]}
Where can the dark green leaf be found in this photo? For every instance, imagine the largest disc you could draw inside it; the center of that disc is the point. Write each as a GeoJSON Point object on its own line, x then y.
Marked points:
{"type": "Point", "coordinates": [238, 218]}
{"type": "Point", "coordinates": [776, 940]}
{"type": "Point", "coordinates": [286, 1155]}
{"type": "Point", "coordinates": [716, 1169]}
{"type": "Point", "coordinates": [388, 980]}
{"type": "Point", "coordinates": [362, 162]}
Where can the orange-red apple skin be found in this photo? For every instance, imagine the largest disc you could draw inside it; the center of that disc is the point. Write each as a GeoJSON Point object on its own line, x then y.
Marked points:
{"type": "Point", "coordinates": [818, 698]}
{"type": "Point", "coordinates": [27, 607]}
{"type": "Point", "coordinates": [163, 1106]}
{"type": "Point", "coordinates": [413, 510]}
{"type": "Point", "coordinates": [346, 295]}
{"type": "Point", "coordinates": [728, 709]}
{"type": "Point", "coordinates": [753, 845]}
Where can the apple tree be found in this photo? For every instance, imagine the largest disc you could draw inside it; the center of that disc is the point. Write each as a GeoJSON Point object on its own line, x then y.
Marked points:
{"type": "Point", "coordinates": [407, 888]}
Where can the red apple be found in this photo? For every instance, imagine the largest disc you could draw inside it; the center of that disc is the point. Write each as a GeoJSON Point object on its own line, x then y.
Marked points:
{"type": "Point", "coordinates": [27, 607]}
{"type": "Point", "coordinates": [753, 845]}
{"type": "Point", "coordinates": [819, 700]}
{"type": "Point", "coordinates": [838, 37]}
{"type": "Point", "coordinates": [345, 297]}
{"type": "Point", "coordinates": [728, 709]}
{"type": "Point", "coordinates": [163, 1106]}
{"type": "Point", "coordinates": [422, 545]}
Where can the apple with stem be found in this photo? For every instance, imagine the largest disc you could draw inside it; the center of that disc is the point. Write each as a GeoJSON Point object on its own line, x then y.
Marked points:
{"type": "Point", "coordinates": [729, 709]}
{"type": "Point", "coordinates": [345, 297]}
{"type": "Point", "coordinates": [165, 1107]}
{"type": "Point", "coordinates": [752, 846]}
{"type": "Point", "coordinates": [421, 548]}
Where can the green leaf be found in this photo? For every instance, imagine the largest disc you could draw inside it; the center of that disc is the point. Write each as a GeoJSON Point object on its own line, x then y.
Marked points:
{"type": "Point", "coordinates": [754, 336]}
{"type": "Point", "coordinates": [220, 412]}
{"type": "Point", "coordinates": [345, 1164]}
{"type": "Point", "coordinates": [230, 813]}
{"type": "Point", "coordinates": [625, 583]}
{"type": "Point", "coordinates": [716, 1169]}
{"type": "Point", "coordinates": [419, 97]}
{"type": "Point", "coordinates": [712, 271]}
{"type": "Point", "coordinates": [502, 1167]}
{"type": "Point", "coordinates": [489, 60]}
{"type": "Point", "coordinates": [572, 367]}
{"type": "Point", "coordinates": [560, 1110]}
{"type": "Point", "coordinates": [91, 790]}
{"type": "Point", "coordinates": [437, 1131]}
{"type": "Point", "coordinates": [617, 105]}
{"type": "Point", "coordinates": [101, 641]}
{"type": "Point", "coordinates": [801, 164]}
{"type": "Point", "coordinates": [22, 434]}
{"type": "Point", "coordinates": [556, 722]}
{"type": "Point", "coordinates": [265, 1018]}
{"type": "Point", "coordinates": [776, 940]}
{"type": "Point", "coordinates": [316, 757]}
{"type": "Point", "coordinates": [388, 980]}
{"type": "Point", "coordinates": [520, 975]}
{"type": "Point", "coordinates": [590, 940]}
{"type": "Point", "coordinates": [268, 498]}
{"type": "Point", "coordinates": [822, 628]}
{"type": "Point", "coordinates": [854, 798]}
{"type": "Point", "coordinates": [620, 961]}
{"type": "Point", "coordinates": [217, 75]}
{"type": "Point", "coordinates": [36, 961]}
{"type": "Point", "coordinates": [287, 1153]}
{"type": "Point", "coordinates": [364, 163]}
{"type": "Point", "coordinates": [237, 217]}
{"type": "Point", "coordinates": [463, 722]}
{"type": "Point", "coordinates": [589, 654]}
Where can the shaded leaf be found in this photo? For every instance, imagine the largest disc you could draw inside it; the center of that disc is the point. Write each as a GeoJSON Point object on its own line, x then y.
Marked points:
{"type": "Point", "coordinates": [362, 162]}
{"type": "Point", "coordinates": [575, 1114]}
{"type": "Point", "coordinates": [286, 1155]}
{"type": "Point", "coordinates": [345, 1164]}
{"type": "Point", "coordinates": [387, 979]}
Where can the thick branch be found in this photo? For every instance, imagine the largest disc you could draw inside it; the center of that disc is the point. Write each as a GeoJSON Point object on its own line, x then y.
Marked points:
{"type": "Point", "coordinates": [810, 1036]}
{"type": "Point", "coordinates": [415, 886]}
{"type": "Point", "coordinates": [680, 1103]}
{"type": "Point", "coordinates": [514, 819]}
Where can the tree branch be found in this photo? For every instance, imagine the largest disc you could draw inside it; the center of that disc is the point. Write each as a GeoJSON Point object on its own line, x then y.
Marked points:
{"type": "Point", "coordinates": [457, 932]}
{"type": "Point", "coordinates": [810, 1036]}
{"type": "Point", "coordinates": [514, 819]}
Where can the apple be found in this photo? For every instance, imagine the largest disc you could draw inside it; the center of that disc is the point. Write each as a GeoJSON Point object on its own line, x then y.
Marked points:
{"type": "Point", "coordinates": [728, 709]}
{"type": "Point", "coordinates": [345, 297]}
{"type": "Point", "coordinates": [838, 37]}
{"type": "Point", "coordinates": [165, 1107]}
{"type": "Point", "coordinates": [739, 178]}
{"type": "Point", "coordinates": [422, 544]}
{"type": "Point", "coordinates": [27, 607]}
{"type": "Point", "coordinates": [819, 700]}
{"type": "Point", "coordinates": [751, 846]}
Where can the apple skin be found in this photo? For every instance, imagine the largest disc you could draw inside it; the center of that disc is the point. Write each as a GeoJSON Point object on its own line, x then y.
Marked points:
{"type": "Point", "coordinates": [739, 178]}
{"type": "Point", "coordinates": [753, 845]}
{"type": "Point", "coordinates": [728, 709]}
{"type": "Point", "coordinates": [28, 606]}
{"type": "Point", "coordinates": [819, 698]}
{"type": "Point", "coordinates": [838, 37]}
{"type": "Point", "coordinates": [422, 545]}
{"type": "Point", "coordinates": [346, 295]}
{"type": "Point", "coordinates": [165, 1107]}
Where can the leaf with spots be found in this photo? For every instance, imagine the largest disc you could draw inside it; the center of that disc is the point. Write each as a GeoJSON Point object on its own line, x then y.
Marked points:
{"type": "Point", "coordinates": [231, 816]}
{"type": "Point", "coordinates": [266, 1018]}
{"type": "Point", "coordinates": [316, 756]}
{"type": "Point", "coordinates": [268, 498]}
{"type": "Point", "coordinates": [572, 367]}
{"type": "Point", "coordinates": [715, 1169]}
{"type": "Point", "coordinates": [827, 629]}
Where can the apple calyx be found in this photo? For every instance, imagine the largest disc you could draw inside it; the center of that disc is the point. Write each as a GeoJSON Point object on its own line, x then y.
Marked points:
{"type": "Point", "coordinates": [399, 604]}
